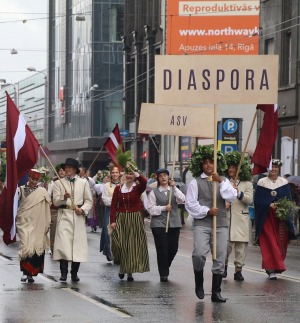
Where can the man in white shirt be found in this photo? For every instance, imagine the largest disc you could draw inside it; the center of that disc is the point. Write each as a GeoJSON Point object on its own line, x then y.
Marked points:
{"type": "Point", "coordinates": [199, 204]}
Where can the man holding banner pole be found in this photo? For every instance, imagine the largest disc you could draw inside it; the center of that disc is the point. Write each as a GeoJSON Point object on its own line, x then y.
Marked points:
{"type": "Point", "coordinates": [200, 204]}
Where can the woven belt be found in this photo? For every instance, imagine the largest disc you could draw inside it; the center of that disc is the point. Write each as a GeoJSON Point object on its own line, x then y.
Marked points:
{"type": "Point", "coordinates": [69, 207]}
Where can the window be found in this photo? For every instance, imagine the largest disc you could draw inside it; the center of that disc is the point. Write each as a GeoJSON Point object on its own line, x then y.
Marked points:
{"type": "Point", "coordinates": [269, 47]}
{"type": "Point", "coordinates": [116, 20]}
{"type": "Point", "coordinates": [287, 59]}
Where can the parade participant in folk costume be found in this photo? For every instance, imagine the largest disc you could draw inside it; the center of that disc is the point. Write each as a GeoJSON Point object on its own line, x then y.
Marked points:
{"type": "Point", "coordinates": [274, 227]}
{"type": "Point", "coordinates": [129, 241]}
{"type": "Point", "coordinates": [33, 221]}
{"type": "Point", "coordinates": [238, 212]}
{"type": "Point", "coordinates": [72, 195]}
{"type": "Point", "coordinates": [53, 208]}
{"type": "Point", "coordinates": [107, 193]}
{"type": "Point", "coordinates": [199, 204]}
{"type": "Point", "coordinates": [166, 243]}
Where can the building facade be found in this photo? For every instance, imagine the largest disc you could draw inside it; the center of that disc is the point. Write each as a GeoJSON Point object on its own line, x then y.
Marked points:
{"type": "Point", "coordinates": [85, 67]}
{"type": "Point", "coordinates": [280, 35]}
{"type": "Point", "coordinates": [142, 40]}
{"type": "Point", "coordinates": [29, 97]}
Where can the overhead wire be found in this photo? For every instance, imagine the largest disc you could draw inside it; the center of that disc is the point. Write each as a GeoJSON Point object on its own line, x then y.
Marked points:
{"type": "Point", "coordinates": [121, 87]}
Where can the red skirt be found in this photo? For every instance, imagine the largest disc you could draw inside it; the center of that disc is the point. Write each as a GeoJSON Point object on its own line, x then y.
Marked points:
{"type": "Point", "coordinates": [273, 243]}
{"type": "Point", "coordinates": [33, 266]}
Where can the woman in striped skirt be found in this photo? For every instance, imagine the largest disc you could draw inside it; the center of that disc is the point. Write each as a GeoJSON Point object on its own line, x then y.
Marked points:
{"type": "Point", "coordinates": [129, 241]}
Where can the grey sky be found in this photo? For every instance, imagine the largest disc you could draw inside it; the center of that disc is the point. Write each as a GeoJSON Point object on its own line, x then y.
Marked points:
{"type": "Point", "coordinates": [28, 38]}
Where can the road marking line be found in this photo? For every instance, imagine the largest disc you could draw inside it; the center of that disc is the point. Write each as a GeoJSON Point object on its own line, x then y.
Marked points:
{"type": "Point", "coordinates": [97, 303]}
{"type": "Point", "coordinates": [5, 258]}
{"type": "Point", "coordinates": [252, 270]}
{"type": "Point", "coordinates": [47, 278]}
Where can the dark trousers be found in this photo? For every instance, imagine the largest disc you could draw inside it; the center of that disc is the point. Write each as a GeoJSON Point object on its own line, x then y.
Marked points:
{"type": "Point", "coordinates": [105, 240]}
{"type": "Point", "coordinates": [166, 245]}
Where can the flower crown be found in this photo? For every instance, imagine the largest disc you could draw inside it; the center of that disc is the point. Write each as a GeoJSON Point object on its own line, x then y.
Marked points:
{"type": "Point", "coordinates": [277, 162]}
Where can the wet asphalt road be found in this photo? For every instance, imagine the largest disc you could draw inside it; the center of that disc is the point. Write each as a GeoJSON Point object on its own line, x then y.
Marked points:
{"type": "Point", "coordinates": [101, 297]}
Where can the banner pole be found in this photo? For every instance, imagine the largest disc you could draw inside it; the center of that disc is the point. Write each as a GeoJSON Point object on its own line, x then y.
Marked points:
{"type": "Point", "coordinates": [245, 148]}
{"type": "Point", "coordinates": [95, 159]}
{"type": "Point", "coordinates": [172, 177]}
{"type": "Point", "coordinates": [49, 161]}
{"type": "Point", "coordinates": [214, 183]}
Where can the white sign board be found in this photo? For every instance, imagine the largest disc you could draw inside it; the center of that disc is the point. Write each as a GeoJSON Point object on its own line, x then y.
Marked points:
{"type": "Point", "coordinates": [176, 120]}
{"type": "Point", "coordinates": [200, 79]}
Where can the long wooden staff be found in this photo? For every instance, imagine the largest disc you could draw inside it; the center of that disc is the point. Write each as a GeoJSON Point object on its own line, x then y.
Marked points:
{"type": "Point", "coordinates": [245, 148]}
{"type": "Point", "coordinates": [49, 161]}
{"type": "Point", "coordinates": [172, 177]}
{"type": "Point", "coordinates": [214, 183]}
{"type": "Point", "coordinates": [95, 159]}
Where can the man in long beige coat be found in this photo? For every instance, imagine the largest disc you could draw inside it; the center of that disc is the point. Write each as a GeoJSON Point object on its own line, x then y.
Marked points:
{"type": "Point", "coordinates": [72, 195]}
{"type": "Point", "coordinates": [239, 223]}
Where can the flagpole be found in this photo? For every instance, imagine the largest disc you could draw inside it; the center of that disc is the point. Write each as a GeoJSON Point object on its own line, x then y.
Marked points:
{"type": "Point", "coordinates": [214, 183]}
{"type": "Point", "coordinates": [172, 177]}
{"type": "Point", "coordinates": [95, 159]}
{"type": "Point", "coordinates": [49, 161]}
{"type": "Point", "coordinates": [244, 150]}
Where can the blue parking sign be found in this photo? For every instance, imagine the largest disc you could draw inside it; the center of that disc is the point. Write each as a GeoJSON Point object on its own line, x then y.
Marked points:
{"type": "Point", "coordinates": [230, 126]}
{"type": "Point", "coordinates": [227, 146]}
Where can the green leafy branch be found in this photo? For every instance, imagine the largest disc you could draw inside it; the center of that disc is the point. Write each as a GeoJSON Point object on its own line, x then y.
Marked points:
{"type": "Point", "coordinates": [284, 207]}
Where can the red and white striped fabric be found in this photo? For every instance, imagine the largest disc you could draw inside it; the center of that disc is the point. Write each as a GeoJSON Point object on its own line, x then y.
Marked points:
{"type": "Point", "coordinates": [112, 143]}
{"type": "Point", "coordinates": [21, 156]}
{"type": "Point", "coordinates": [263, 151]}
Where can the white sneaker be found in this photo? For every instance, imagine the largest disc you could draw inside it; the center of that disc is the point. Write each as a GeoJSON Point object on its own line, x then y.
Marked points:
{"type": "Point", "coordinates": [272, 276]}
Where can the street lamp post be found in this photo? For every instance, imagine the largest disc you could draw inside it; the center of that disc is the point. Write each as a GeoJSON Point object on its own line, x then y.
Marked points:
{"type": "Point", "coordinates": [45, 137]}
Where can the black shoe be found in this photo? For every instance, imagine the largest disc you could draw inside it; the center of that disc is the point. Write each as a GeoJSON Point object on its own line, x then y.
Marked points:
{"type": "Point", "coordinates": [130, 278]}
{"type": "Point", "coordinates": [225, 272]}
{"type": "Point", "coordinates": [238, 276]}
{"type": "Point", "coordinates": [217, 298]}
{"type": "Point", "coordinates": [24, 279]}
{"type": "Point", "coordinates": [63, 278]}
{"type": "Point", "coordinates": [121, 276]}
{"type": "Point", "coordinates": [30, 279]}
{"type": "Point", "coordinates": [163, 279]}
{"type": "Point", "coordinates": [75, 279]}
{"type": "Point", "coordinates": [216, 289]}
{"type": "Point", "coordinates": [199, 291]}
{"type": "Point", "coordinates": [108, 258]}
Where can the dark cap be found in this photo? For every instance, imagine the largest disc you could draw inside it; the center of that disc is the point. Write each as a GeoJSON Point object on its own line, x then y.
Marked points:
{"type": "Point", "coordinates": [162, 170]}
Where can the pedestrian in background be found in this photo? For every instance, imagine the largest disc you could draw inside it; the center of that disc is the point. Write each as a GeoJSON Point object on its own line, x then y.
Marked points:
{"type": "Point", "coordinates": [166, 243]}
{"type": "Point", "coordinates": [103, 177]}
{"type": "Point", "coordinates": [239, 221]}
{"type": "Point", "coordinates": [273, 233]}
{"type": "Point", "coordinates": [108, 190]}
{"type": "Point", "coordinates": [91, 218]}
{"type": "Point", "coordinates": [72, 195]}
{"type": "Point", "coordinates": [129, 241]}
{"type": "Point", "coordinates": [199, 203]}
{"type": "Point", "coordinates": [33, 221]}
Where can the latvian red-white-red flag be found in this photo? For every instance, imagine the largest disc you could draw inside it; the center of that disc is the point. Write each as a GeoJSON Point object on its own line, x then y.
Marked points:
{"type": "Point", "coordinates": [21, 156]}
{"type": "Point", "coordinates": [263, 151]}
{"type": "Point", "coordinates": [113, 142]}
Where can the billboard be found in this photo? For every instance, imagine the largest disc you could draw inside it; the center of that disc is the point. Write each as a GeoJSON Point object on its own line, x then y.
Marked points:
{"type": "Point", "coordinates": [212, 27]}
{"type": "Point", "coordinates": [216, 79]}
